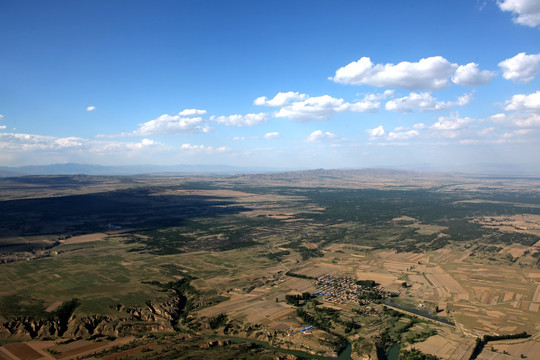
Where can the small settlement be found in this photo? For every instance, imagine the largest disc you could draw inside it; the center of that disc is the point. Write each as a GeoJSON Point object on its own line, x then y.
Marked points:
{"type": "Point", "coordinates": [341, 290]}
{"type": "Point", "coordinates": [345, 289]}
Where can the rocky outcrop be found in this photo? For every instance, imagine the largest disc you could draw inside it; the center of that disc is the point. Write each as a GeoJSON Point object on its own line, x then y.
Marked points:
{"type": "Point", "coordinates": [126, 321]}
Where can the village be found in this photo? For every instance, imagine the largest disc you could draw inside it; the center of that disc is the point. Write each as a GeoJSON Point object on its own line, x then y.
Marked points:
{"type": "Point", "coordinates": [341, 290]}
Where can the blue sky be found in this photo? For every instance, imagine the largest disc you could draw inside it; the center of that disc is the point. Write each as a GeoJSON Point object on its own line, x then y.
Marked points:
{"type": "Point", "coordinates": [278, 84]}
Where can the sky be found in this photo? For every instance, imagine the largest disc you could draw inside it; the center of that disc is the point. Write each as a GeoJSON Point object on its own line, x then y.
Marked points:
{"type": "Point", "coordinates": [296, 84]}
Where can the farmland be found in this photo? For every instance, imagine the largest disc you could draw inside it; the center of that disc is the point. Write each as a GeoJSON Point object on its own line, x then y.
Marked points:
{"type": "Point", "coordinates": [157, 266]}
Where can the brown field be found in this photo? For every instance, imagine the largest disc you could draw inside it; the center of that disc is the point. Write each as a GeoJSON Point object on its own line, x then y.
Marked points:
{"type": "Point", "coordinates": [536, 296]}
{"type": "Point", "coordinates": [447, 346]}
{"type": "Point", "coordinates": [21, 352]}
{"type": "Point", "coordinates": [76, 349]}
{"type": "Point", "coordinates": [482, 299]}
{"type": "Point", "coordinates": [53, 306]}
{"type": "Point", "coordinates": [521, 223]}
{"type": "Point", "coordinates": [127, 352]}
{"type": "Point", "coordinates": [85, 238]}
{"type": "Point", "coordinates": [530, 348]}
{"type": "Point", "coordinates": [317, 270]}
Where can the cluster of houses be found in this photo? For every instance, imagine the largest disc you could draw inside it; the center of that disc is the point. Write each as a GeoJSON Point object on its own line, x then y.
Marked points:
{"type": "Point", "coordinates": [341, 290]}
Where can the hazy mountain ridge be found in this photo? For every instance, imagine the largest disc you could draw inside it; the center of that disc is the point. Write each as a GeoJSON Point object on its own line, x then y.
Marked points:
{"type": "Point", "coordinates": [88, 169]}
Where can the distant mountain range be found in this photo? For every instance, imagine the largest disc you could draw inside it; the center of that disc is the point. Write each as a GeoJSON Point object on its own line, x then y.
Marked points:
{"type": "Point", "coordinates": [74, 169]}
{"type": "Point", "coordinates": [100, 170]}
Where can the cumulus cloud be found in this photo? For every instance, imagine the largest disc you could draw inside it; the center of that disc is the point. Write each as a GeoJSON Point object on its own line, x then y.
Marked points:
{"type": "Point", "coordinates": [424, 102]}
{"type": "Point", "coordinates": [526, 12]}
{"type": "Point", "coordinates": [30, 142]}
{"type": "Point", "coordinates": [470, 75]}
{"type": "Point", "coordinates": [281, 99]}
{"type": "Point", "coordinates": [379, 96]}
{"type": "Point", "coordinates": [522, 131]}
{"type": "Point", "coordinates": [522, 102]}
{"type": "Point", "coordinates": [241, 120]}
{"type": "Point", "coordinates": [487, 131]}
{"type": "Point", "coordinates": [1, 116]}
{"type": "Point", "coordinates": [521, 68]}
{"type": "Point", "coordinates": [530, 120]}
{"type": "Point", "coordinates": [144, 143]}
{"type": "Point", "coordinates": [204, 148]}
{"type": "Point", "coordinates": [450, 126]}
{"type": "Point", "coordinates": [171, 124]}
{"type": "Point", "coordinates": [192, 112]}
{"type": "Point", "coordinates": [403, 135]}
{"type": "Point", "coordinates": [91, 108]}
{"type": "Point", "coordinates": [319, 135]}
{"type": "Point", "coordinates": [431, 73]}
{"type": "Point", "coordinates": [323, 107]}
{"type": "Point", "coordinates": [315, 108]}
{"type": "Point", "coordinates": [522, 119]}
{"type": "Point", "coordinates": [69, 142]}
{"type": "Point", "coordinates": [378, 132]}
{"type": "Point", "coordinates": [271, 135]}
{"type": "Point", "coordinates": [17, 142]}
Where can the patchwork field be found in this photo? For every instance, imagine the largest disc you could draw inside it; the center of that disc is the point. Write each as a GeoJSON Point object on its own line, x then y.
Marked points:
{"type": "Point", "coordinates": [154, 266]}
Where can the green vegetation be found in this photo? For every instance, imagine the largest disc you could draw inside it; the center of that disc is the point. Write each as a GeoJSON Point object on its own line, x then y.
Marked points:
{"type": "Point", "coordinates": [366, 283]}
{"type": "Point", "coordinates": [16, 306]}
{"type": "Point", "coordinates": [415, 354]}
{"type": "Point", "coordinates": [217, 321]}
{"type": "Point", "coordinates": [64, 312]}
{"type": "Point", "coordinates": [295, 299]}
{"type": "Point", "coordinates": [301, 276]}
{"type": "Point", "coordinates": [181, 256]}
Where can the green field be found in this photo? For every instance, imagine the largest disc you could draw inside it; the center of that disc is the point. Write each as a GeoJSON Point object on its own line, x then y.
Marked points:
{"type": "Point", "coordinates": [180, 251]}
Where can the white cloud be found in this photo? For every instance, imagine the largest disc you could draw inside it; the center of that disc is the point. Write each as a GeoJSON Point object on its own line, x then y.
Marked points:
{"type": "Point", "coordinates": [271, 135]}
{"type": "Point", "coordinates": [2, 127]}
{"type": "Point", "coordinates": [29, 142]}
{"type": "Point", "coordinates": [379, 96]}
{"type": "Point", "coordinates": [529, 102]}
{"type": "Point", "coordinates": [171, 124]}
{"type": "Point", "coordinates": [364, 106]}
{"type": "Point", "coordinates": [314, 108]}
{"type": "Point", "coordinates": [241, 120]}
{"type": "Point", "coordinates": [404, 135]}
{"type": "Point", "coordinates": [450, 127]}
{"type": "Point", "coordinates": [144, 143]}
{"type": "Point", "coordinates": [498, 117]}
{"type": "Point", "coordinates": [91, 108]}
{"type": "Point", "coordinates": [431, 73]}
{"type": "Point", "coordinates": [69, 142]}
{"type": "Point", "coordinates": [522, 131]}
{"type": "Point", "coordinates": [17, 142]}
{"type": "Point", "coordinates": [204, 148]}
{"type": "Point", "coordinates": [323, 107]}
{"type": "Point", "coordinates": [319, 135]}
{"type": "Point", "coordinates": [470, 75]}
{"type": "Point", "coordinates": [519, 119]}
{"type": "Point", "coordinates": [424, 102]}
{"type": "Point", "coordinates": [419, 126]}
{"type": "Point", "coordinates": [377, 132]}
{"type": "Point", "coordinates": [526, 12]}
{"type": "Point", "coordinates": [1, 116]}
{"type": "Point", "coordinates": [487, 131]}
{"type": "Point", "coordinates": [281, 99]}
{"type": "Point", "coordinates": [239, 138]}
{"type": "Point", "coordinates": [521, 68]}
{"type": "Point", "coordinates": [532, 120]}
{"type": "Point", "coordinates": [192, 112]}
